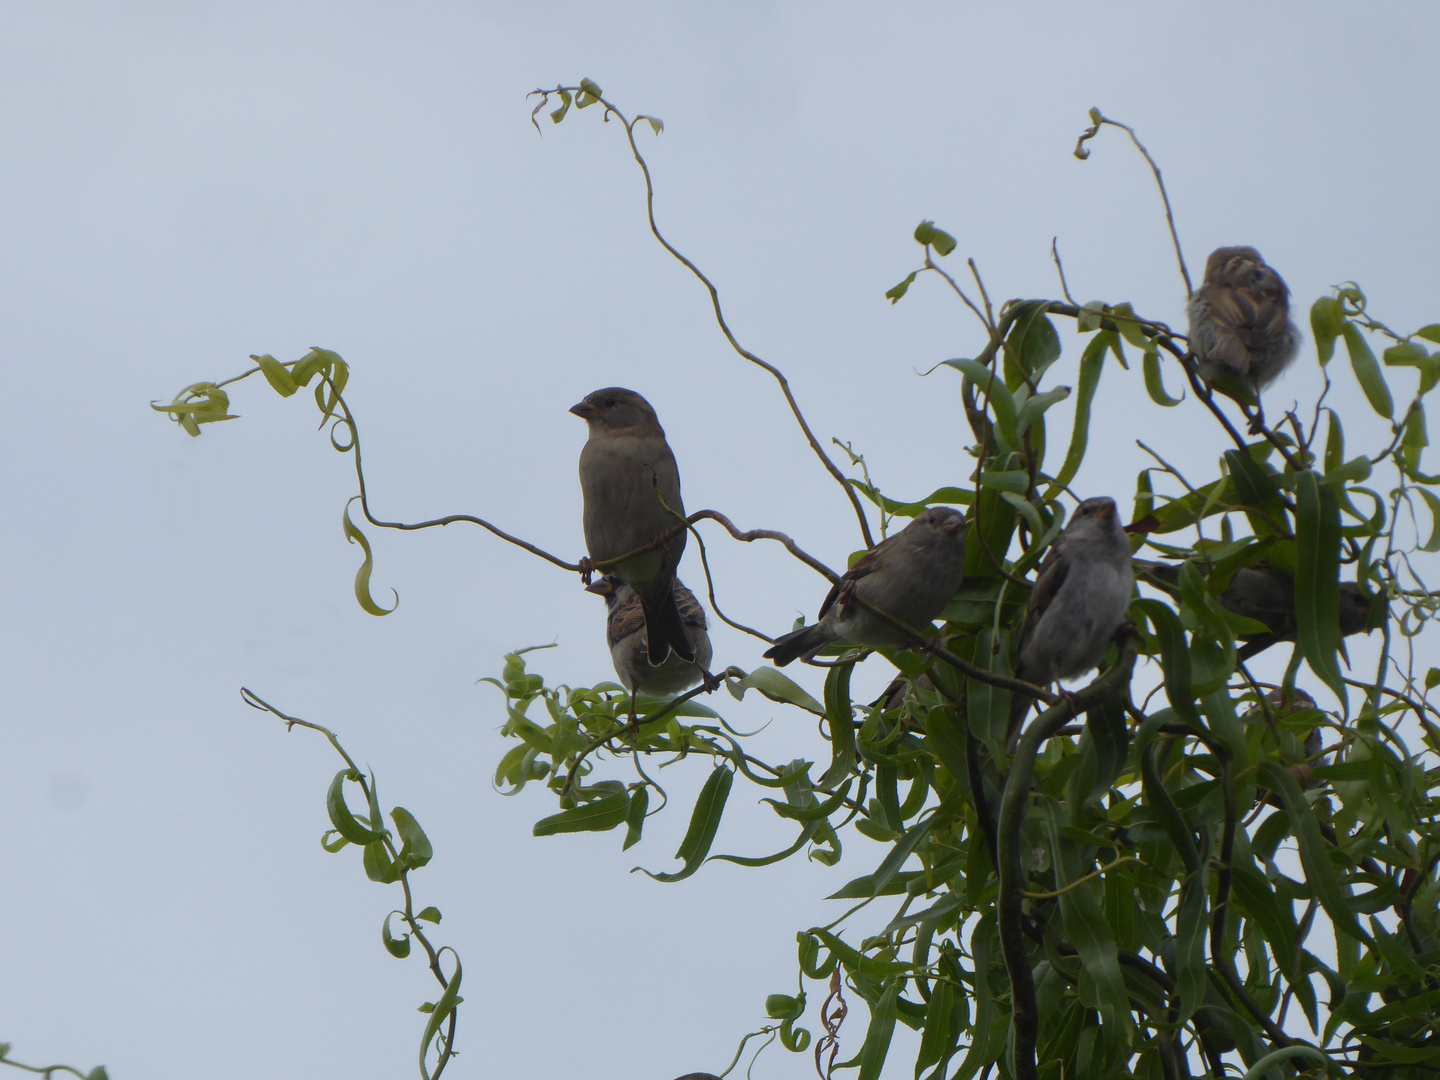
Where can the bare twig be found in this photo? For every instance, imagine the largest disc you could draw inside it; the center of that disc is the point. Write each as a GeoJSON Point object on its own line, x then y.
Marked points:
{"type": "Point", "coordinates": [1098, 120]}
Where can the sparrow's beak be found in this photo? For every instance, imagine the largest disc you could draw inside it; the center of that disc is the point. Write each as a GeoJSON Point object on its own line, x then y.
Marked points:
{"type": "Point", "coordinates": [584, 410]}
{"type": "Point", "coordinates": [1105, 511]}
{"type": "Point", "coordinates": [600, 587]}
{"type": "Point", "coordinates": [953, 525]}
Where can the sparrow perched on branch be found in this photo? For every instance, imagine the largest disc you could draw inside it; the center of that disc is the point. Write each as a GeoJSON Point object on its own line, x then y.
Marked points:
{"type": "Point", "coordinates": [1079, 600]}
{"type": "Point", "coordinates": [910, 576]}
{"type": "Point", "coordinates": [1267, 595]}
{"type": "Point", "coordinates": [625, 633]}
{"type": "Point", "coordinates": [1240, 319]}
{"type": "Point", "coordinates": [626, 470]}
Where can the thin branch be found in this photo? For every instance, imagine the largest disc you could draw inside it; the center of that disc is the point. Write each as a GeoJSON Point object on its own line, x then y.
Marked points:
{"type": "Point", "coordinates": [1060, 269]}
{"type": "Point", "coordinates": [1086, 879]}
{"type": "Point", "coordinates": [1098, 119]}
{"type": "Point", "coordinates": [447, 1050]}
{"type": "Point", "coordinates": [779, 376]}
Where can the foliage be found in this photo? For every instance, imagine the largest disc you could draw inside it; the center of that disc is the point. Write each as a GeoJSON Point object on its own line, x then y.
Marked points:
{"type": "Point", "coordinates": [388, 865]}
{"type": "Point", "coordinates": [1208, 873]}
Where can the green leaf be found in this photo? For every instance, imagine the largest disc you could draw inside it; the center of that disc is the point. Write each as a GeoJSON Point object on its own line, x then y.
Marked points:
{"type": "Point", "coordinates": [938, 1038]}
{"type": "Point", "coordinates": [415, 850]}
{"type": "Point", "coordinates": [1432, 678]}
{"type": "Point", "coordinates": [362, 576]}
{"type": "Point", "coordinates": [1035, 407]}
{"type": "Point", "coordinates": [1155, 385]}
{"type": "Point", "coordinates": [777, 687]}
{"type": "Point", "coordinates": [840, 719]}
{"type": "Point", "coordinates": [1430, 333]}
{"type": "Point", "coordinates": [1416, 438]}
{"type": "Point", "coordinates": [597, 815]}
{"type": "Point", "coordinates": [346, 824]}
{"type": "Point", "coordinates": [97, 1073]}
{"type": "Point", "coordinates": [635, 816]}
{"type": "Point", "coordinates": [1327, 319]}
{"type": "Point", "coordinates": [275, 374]}
{"type": "Point", "coordinates": [1433, 544]}
{"type": "Point", "coordinates": [429, 914]}
{"type": "Point", "coordinates": [1405, 354]}
{"type": "Point", "coordinates": [926, 233]}
{"type": "Point", "coordinates": [1317, 577]}
{"type": "Point", "coordinates": [704, 822]}
{"type": "Point", "coordinates": [398, 948]}
{"type": "Point", "coordinates": [903, 849]}
{"type": "Point", "coordinates": [443, 1008]}
{"type": "Point", "coordinates": [1367, 372]}
{"type": "Point", "coordinates": [376, 861]}
{"type": "Point", "coordinates": [656, 124]}
{"type": "Point", "coordinates": [878, 1034]}
{"type": "Point", "coordinates": [588, 95]}
{"type": "Point", "coordinates": [1091, 362]}
{"type": "Point", "coordinates": [559, 114]}
{"type": "Point", "coordinates": [1190, 930]}
{"type": "Point", "coordinates": [895, 292]}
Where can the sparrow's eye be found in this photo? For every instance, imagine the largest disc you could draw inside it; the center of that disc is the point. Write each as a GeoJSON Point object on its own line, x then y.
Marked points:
{"type": "Point", "coordinates": [609, 402]}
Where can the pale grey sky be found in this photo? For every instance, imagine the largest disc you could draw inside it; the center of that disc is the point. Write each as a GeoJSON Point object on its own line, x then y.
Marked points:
{"type": "Point", "coordinates": [184, 184]}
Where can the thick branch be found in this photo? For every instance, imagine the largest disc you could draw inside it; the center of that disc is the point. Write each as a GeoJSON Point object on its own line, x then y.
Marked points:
{"type": "Point", "coordinates": [1012, 875]}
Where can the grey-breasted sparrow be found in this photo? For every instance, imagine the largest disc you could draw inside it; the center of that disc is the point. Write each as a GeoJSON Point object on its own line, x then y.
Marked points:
{"type": "Point", "coordinates": [1079, 600]}
{"type": "Point", "coordinates": [910, 576]}
{"type": "Point", "coordinates": [625, 464]}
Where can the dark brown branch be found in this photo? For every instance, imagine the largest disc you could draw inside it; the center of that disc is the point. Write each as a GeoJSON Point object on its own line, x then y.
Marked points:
{"type": "Point", "coordinates": [1012, 874]}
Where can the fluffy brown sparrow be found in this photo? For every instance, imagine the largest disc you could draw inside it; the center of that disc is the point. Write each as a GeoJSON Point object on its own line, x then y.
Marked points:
{"type": "Point", "coordinates": [1240, 319]}
{"type": "Point", "coordinates": [1267, 595]}
{"type": "Point", "coordinates": [910, 576]}
{"type": "Point", "coordinates": [1079, 600]}
{"type": "Point", "coordinates": [625, 465]}
{"type": "Point", "coordinates": [626, 635]}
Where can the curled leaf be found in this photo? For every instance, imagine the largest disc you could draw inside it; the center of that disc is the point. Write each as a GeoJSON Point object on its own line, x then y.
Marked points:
{"type": "Point", "coordinates": [362, 576]}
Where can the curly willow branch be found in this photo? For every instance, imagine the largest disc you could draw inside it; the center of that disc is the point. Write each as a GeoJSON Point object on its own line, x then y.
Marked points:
{"type": "Point", "coordinates": [830, 466]}
{"type": "Point", "coordinates": [447, 1051]}
{"type": "Point", "coordinates": [744, 536]}
{"type": "Point", "coordinates": [1098, 120]}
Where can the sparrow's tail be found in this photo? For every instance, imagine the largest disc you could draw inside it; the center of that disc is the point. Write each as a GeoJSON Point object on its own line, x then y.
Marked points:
{"type": "Point", "coordinates": [803, 642]}
{"type": "Point", "coordinates": [665, 630]}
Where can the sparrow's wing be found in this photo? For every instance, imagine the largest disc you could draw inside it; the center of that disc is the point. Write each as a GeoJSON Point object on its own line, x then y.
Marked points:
{"type": "Point", "coordinates": [627, 618]}
{"type": "Point", "coordinates": [691, 613]}
{"type": "Point", "coordinates": [867, 564]}
{"type": "Point", "coordinates": [1052, 575]}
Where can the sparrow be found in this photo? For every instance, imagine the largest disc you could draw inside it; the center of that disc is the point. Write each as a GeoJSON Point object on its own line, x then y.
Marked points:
{"type": "Point", "coordinates": [625, 633]}
{"type": "Point", "coordinates": [1079, 600]}
{"type": "Point", "coordinates": [910, 576]}
{"type": "Point", "coordinates": [626, 468]}
{"type": "Point", "coordinates": [1240, 319]}
{"type": "Point", "coordinates": [1267, 595]}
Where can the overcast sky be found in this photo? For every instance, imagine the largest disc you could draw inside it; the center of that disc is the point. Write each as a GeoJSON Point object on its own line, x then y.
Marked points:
{"type": "Point", "coordinates": [184, 184]}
